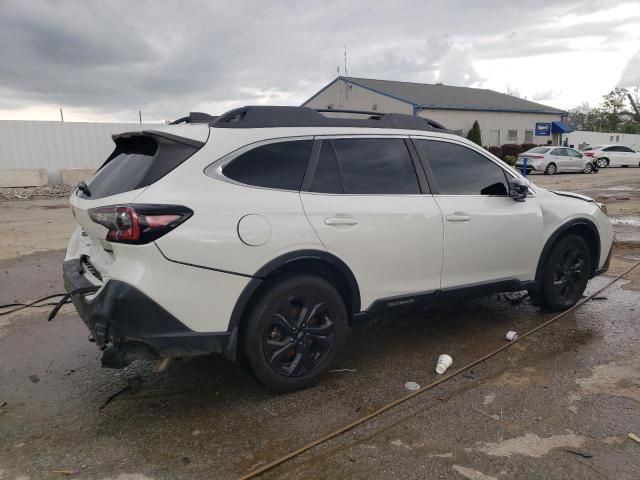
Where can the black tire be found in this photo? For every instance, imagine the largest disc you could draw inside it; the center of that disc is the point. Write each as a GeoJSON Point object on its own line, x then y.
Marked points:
{"type": "Point", "coordinates": [603, 162]}
{"type": "Point", "coordinates": [566, 273]}
{"type": "Point", "coordinates": [551, 169]}
{"type": "Point", "coordinates": [294, 332]}
{"type": "Point", "coordinates": [588, 168]}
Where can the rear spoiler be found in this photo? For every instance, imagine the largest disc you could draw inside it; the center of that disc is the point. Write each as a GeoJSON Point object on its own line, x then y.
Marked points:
{"type": "Point", "coordinates": [157, 133]}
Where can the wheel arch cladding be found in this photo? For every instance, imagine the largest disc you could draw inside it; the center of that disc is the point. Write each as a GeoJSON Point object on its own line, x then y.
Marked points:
{"type": "Point", "coordinates": [310, 262]}
{"type": "Point", "coordinates": [580, 226]}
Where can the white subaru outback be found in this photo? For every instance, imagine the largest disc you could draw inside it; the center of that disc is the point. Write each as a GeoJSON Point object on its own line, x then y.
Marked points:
{"type": "Point", "coordinates": [266, 232]}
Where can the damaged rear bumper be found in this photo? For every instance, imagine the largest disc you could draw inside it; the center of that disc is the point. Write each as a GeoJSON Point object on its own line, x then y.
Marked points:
{"type": "Point", "coordinates": [128, 325]}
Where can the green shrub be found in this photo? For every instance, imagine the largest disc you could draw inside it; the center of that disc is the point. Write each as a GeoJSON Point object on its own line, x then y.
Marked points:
{"type": "Point", "coordinates": [528, 146]}
{"type": "Point", "coordinates": [475, 135]}
{"type": "Point", "coordinates": [510, 160]}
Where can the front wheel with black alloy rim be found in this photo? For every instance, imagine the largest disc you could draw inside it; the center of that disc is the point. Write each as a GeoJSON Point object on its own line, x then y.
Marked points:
{"type": "Point", "coordinates": [603, 162]}
{"type": "Point", "coordinates": [551, 169]}
{"type": "Point", "coordinates": [294, 332]}
{"type": "Point", "coordinates": [566, 273]}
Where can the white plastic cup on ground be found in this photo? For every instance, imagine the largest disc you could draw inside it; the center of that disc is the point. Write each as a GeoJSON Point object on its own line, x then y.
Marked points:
{"type": "Point", "coordinates": [444, 362]}
{"type": "Point", "coordinates": [511, 335]}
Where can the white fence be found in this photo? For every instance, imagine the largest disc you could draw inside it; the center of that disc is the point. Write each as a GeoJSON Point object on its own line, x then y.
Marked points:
{"type": "Point", "coordinates": [601, 138]}
{"type": "Point", "coordinates": [57, 146]}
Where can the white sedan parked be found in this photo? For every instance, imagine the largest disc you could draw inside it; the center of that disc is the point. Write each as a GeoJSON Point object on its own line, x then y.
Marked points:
{"type": "Point", "coordinates": [614, 156]}
{"type": "Point", "coordinates": [551, 159]}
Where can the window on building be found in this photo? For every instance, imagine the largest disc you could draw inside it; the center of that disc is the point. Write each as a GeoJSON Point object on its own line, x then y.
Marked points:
{"type": "Point", "coordinates": [528, 136]}
{"type": "Point", "coordinates": [276, 165]}
{"type": "Point", "coordinates": [494, 138]}
{"type": "Point", "coordinates": [462, 171]}
{"type": "Point", "coordinates": [512, 136]}
{"type": "Point", "coordinates": [365, 166]}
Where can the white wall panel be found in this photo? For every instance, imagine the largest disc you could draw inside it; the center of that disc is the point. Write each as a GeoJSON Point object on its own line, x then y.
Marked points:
{"type": "Point", "coordinates": [58, 145]}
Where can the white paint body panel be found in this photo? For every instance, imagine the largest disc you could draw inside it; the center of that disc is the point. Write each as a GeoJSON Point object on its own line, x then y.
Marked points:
{"type": "Point", "coordinates": [395, 247]}
{"type": "Point", "coordinates": [501, 240]}
{"type": "Point", "coordinates": [186, 292]}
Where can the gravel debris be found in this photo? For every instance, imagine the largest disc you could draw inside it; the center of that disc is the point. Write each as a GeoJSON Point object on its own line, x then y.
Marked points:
{"type": "Point", "coordinates": [33, 193]}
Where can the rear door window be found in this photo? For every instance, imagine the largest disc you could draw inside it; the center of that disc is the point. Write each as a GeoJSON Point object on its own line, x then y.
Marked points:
{"type": "Point", "coordinates": [459, 170]}
{"type": "Point", "coordinates": [327, 177]}
{"type": "Point", "coordinates": [376, 166]}
{"type": "Point", "coordinates": [137, 162]}
{"type": "Point", "coordinates": [278, 165]}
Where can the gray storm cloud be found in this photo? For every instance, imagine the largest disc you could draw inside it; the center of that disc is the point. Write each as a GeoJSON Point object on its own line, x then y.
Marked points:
{"type": "Point", "coordinates": [117, 56]}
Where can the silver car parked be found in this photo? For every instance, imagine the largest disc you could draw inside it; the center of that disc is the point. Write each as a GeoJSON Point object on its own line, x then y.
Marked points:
{"type": "Point", "coordinates": [551, 159]}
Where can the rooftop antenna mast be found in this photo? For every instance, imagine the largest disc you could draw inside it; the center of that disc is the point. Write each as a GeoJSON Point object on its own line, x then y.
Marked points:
{"type": "Point", "coordinates": [346, 74]}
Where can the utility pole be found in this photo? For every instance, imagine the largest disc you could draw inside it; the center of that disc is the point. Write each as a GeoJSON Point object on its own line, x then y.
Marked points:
{"type": "Point", "coordinates": [635, 107]}
{"type": "Point", "coordinates": [61, 116]}
{"type": "Point", "coordinates": [140, 115]}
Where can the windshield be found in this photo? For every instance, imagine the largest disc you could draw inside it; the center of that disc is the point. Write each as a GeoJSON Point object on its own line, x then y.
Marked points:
{"type": "Point", "coordinates": [538, 150]}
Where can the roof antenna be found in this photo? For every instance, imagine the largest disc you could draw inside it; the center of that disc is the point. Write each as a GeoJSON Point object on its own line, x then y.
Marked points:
{"type": "Point", "coordinates": [346, 74]}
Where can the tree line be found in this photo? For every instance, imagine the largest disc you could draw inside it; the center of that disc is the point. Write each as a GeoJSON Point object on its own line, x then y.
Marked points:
{"type": "Point", "coordinates": [617, 112]}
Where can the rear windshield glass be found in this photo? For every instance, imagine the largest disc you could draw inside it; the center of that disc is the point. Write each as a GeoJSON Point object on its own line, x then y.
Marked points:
{"type": "Point", "coordinates": [538, 150]}
{"type": "Point", "coordinates": [137, 162]}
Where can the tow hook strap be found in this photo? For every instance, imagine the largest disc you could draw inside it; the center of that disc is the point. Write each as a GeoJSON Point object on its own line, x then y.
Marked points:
{"type": "Point", "coordinates": [63, 300]}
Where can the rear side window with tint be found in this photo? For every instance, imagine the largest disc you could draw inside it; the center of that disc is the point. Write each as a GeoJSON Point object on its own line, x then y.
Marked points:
{"type": "Point", "coordinates": [137, 162]}
{"type": "Point", "coordinates": [275, 165]}
{"type": "Point", "coordinates": [327, 178]}
{"type": "Point", "coordinates": [376, 166]}
{"type": "Point", "coordinates": [458, 170]}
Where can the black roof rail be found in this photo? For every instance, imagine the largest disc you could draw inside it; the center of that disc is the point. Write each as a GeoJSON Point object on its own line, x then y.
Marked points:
{"type": "Point", "coordinates": [278, 116]}
{"type": "Point", "coordinates": [195, 117]}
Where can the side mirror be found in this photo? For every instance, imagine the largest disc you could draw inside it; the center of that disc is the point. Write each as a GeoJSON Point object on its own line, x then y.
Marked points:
{"type": "Point", "coordinates": [518, 189]}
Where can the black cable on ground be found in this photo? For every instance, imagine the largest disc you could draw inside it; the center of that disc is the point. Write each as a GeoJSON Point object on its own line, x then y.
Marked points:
{"type": "Point", "coordinates": [48, 304]}
{"type": "Point", "coordinates": [389, 406]}
{"type": "Point", "coordinates": [30, 304]}
{"type": "Point", "coordinates": [65, 299]}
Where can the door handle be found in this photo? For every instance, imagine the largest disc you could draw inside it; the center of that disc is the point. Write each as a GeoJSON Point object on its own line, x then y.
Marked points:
{"type": "Point", "coordinates": [340, 221]}
{"type": "Point", "coordinates": [458, 217]}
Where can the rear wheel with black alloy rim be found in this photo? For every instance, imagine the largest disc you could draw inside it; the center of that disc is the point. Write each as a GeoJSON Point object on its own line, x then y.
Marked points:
{"type": "Point", "coordinates": [294, 332]}
{"type": "Point", "coordinates": [551, 169]}
{"type": "Point", "coordinates": [566, 273]}
{"type": "Point", "coordinates": [603, 162]}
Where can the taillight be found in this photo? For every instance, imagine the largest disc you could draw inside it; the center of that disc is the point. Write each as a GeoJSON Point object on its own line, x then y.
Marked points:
{"type": "Point", "coordinates": [139, 224]}
{"type": "Point", "coordinates": [589, 154]}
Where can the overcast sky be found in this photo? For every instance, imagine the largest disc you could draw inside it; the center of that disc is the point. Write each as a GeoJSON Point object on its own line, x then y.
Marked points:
{"type": "Point", "coordinates": [104, 60]}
